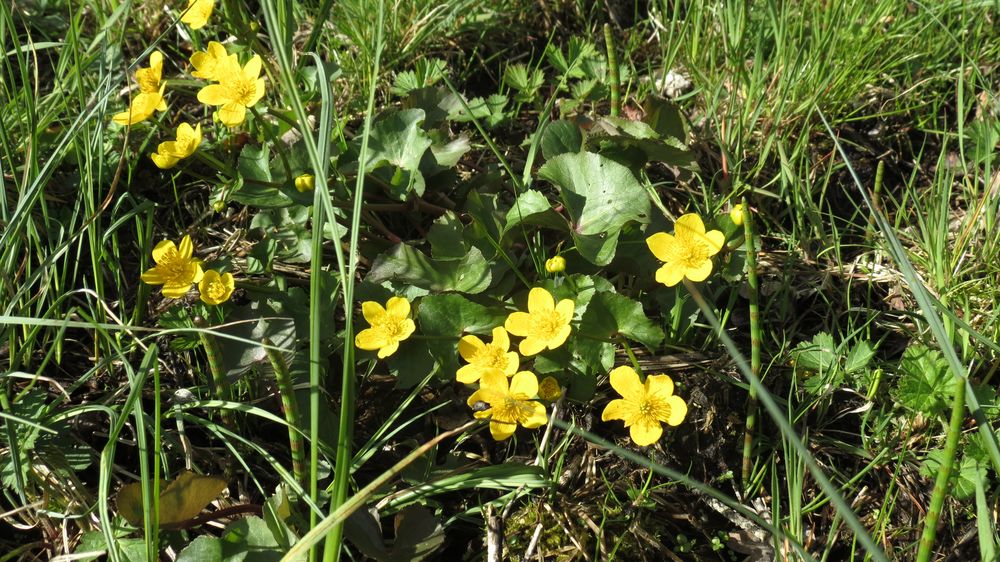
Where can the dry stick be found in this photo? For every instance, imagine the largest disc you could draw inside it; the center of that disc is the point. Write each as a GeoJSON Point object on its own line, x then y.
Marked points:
{"type": "Point", "coordinates": [613, 75]}
{"type": "Point", "coordinates": [756, 341]}
{"type": "Point", "coordinates": [317, 533]}
{"type": "Point", "coordinates": [291, 409]}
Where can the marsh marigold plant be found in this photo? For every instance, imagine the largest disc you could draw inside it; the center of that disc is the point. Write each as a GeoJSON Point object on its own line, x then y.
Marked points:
{"type": "Point", "coordinates": [389, 326]}
{"type": "Point", "coordinates": [215, 288]}
{"type": "Point", "coordinates": [687, 253]}
{"type": "Point", "coordinates": [644, 406]}
{"type": "Point", "coordinates": [169, 153]}
{"type": "Point", "coordinates": [508, 404]}
{"type": "Point", "coordinates": [544, 326]}
{"type": "Point", "coordinates": [238, 89]}
{"type": "Point", "coordinates": [485, 358]}
{"type": "Point", "coordinates": [176, 268]}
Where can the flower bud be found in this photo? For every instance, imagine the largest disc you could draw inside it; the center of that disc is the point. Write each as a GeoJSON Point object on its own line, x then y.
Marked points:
{"type": "Point", "coordinates": [555, 265]}
{"type": "Point", "coordinates": [305, 182]}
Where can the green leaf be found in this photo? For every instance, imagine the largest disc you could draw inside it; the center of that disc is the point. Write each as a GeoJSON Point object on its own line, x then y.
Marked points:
{"type": "Point", "coordinates": [365, 533]}
{"type": "Point", "coordinates": [446, 237]}
{"type": "Point", "coordinates": [601, 196]}
{"type": "Point", "coordinates": [532, 208]}
{"type": "Point", "coordinates": [418, 534]}
{"type": "Point", "coordinates": [205, 548]}
{"type": "Point", "coordinates": [249, 540]}
{"type": "Point", "coordinates": [406, 264]}
{"type": "Point", "coordinates": [819, 355]}
{"type": "Point", "coordinates": [924, 381]}
{"type": "Point", "coordinates": [288, 227]}
{"type": "Point", "coordinates": [859, 357]}
{"type": "Point", "coordinates": [395, 148]}
{"type": "Point", "coordinates": [610, 313]}
{"type": "Point", "coordinates": [664, 117]}
{"type": "Point", "coordinates": [489, 111]}
{"type": "Point", "coordinates": [963, 477]}
{"type": "Point", "coordinates": [561, 137]}
{"type": "Point", "coordinates": [526, 82]}
{"type": "Point", "coordinates": [252, 187]}
{"type": "Point", "coordinates": [445, 318]}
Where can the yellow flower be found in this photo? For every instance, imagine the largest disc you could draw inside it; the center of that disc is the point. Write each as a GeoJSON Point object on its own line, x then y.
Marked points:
{"type": "Point", "coordinates": [389, 326]}
{"type": "Point", "coordinates": [170, 152]}
{"type": "Point", "coordinates": [545, 325]}
{"type": "Point", "coordinates": [486, 358]}
{"type": "Point", "coordinates": [737, 214]}
{"type": "Point", "coordinates": [305, 182]}
{"type": "Point", "coordinates": [142, 107]}
{"type": "Point", "coordinates": [207, 63]}
{"type": "Point", "coordinates": [215, 288]}
{"type": "Point", "coordinates": [237, 90]}
{"type": "Point", "coordinates": [175, 269]}
{"type": "Point", "coordinates": [149, 78]}
{"type": "Point", "coordinates": [549, 389]}
{"type": "Point", "coordinates": [197, 13]}
{"type": "Point", "coordinates": [643, 406]}
{"type": "Point", "coordinates": [555, 265]}
{"type": "Point", "coordinates": [508, 406]}
{"type": "Point", "coordinates": [687, 253]}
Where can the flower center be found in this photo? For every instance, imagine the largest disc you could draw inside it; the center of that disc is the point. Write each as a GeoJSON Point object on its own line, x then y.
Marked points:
{"type": "Point", "coordinates": [691, 252]}
{"type": "Point", "coordinates": [652, 410]}
{"type": "Point", "coordinates": [216, 291]}
{"type": "Point", "coordinates": [513, 410]}
{"type": "Point", "coordinates": [491, 356]}
{"type": "Point", "coordinates": [243, 90]}
{"type": "Point", "coordinates": [173, 267]}
{"type": "Point", "coordinates": [389, 326]}
{"type": "Point", "coordinates": [545, 325]}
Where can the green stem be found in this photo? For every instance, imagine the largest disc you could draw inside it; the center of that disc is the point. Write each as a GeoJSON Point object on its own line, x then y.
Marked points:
{"type": "Point", "coordinates": [291, 409]}
{"type": "Point", "coordinates": [756, 340]}
{"type": "Point", "coordinates": [214, 356]}
{"type": "Point", "coordinates": [941, 484]}
{"type": "Point", "coordinates": [628, 351]}
{"type": "Point", "coordinates": [614, 75]}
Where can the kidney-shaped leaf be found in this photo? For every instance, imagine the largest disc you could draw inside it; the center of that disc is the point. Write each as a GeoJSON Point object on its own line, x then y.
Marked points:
{"type": "Point", "coordinates": [180, 500]}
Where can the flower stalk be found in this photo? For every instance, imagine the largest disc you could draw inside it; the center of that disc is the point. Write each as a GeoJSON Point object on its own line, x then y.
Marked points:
{"type": "Point", "coordinates": [756, 341]}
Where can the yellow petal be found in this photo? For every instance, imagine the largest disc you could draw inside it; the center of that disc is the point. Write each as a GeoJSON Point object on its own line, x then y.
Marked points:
{"type": "Point", "coordinates": [232, 114]}
{"type": "Point", "coordinates": [531, 346]}
{"type": "Point", "coordinates": [502, 430]}
{"type": "Point", "coordinates": [469, 374]}
{"type": "Point", "coordinates": [186, 249]}
{"type": "Point", "coordinates": [678, 410]}
{"type": "Point", "coordinates": [372, 311]}
{"type": "Point", "coordinates": [701, 272]}
{"type": "Point", "coordinates": [398, 307]}
{"type": "Point", "coordinates": [540, 300]}
{"type": "Point", "coordinates": [162, 249]}
{"type": "Point", "coordinates": [164, 161]}
{"type": "Point", "coordinates": [559, 338]}
{"type": "Point", "coordinates": [259, 90]}
{"type": "Point", "coordinates": [645, 434]}
{"type": "Point", "coordinates": [518, 323]}
{"type": "Point", "coordinates": [198, 272]}
{"type": "Point", "coordinates": [468, 346]}
{"type": "Point", "coordinates": [252, 69]}
{"type": "Point", "coordinates": [524, 383]}
{"type": "Point", "coordinates": [512, 362]}
{"type": "Point", "coordinates": [537, 418]}
{"type": "Point", "coordinates": [370, 339]}
{"type": "Point", "coordinates": [214, 94]}
{"type": "Point", "coordinates": [151, 277]}
{"type": "Point", "coordinates": [500, 338]}
{"type": "Point", "coordinates": [715, 240]}
{"type": "Point", "coordinates": [659, 386]}
{"type": "Point", "coordinates": [659, 244]}
{"type": "Point", "coordinates": [176, 291]}
{"type": "Point", "coordinates": [488, 394]}
{"type": "Point", "coordinates": [388, 350]}
{"type": "Point", "coordinates": [406, 329]}
{"type": "Point", "coordinates": [689, 224]}
{"type": "Point", "coordinates": [565, 309]}
{"type": "Point", "coordinates": [618, 409]}
{"type": "Point", "coordinates": [625, 381]}
{"type": "Point", "coordinates": [669, 275]}
{"type": "Point", "coordinates": [496, 383]}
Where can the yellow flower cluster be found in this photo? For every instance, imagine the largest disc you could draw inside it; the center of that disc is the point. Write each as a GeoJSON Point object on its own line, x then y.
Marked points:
{"type": "Point", "coordinates": [236, 88]}
{"type": "Point", "coordinates": [177, 269]}
{"type": "Point", "coordinates": [150, 97]}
